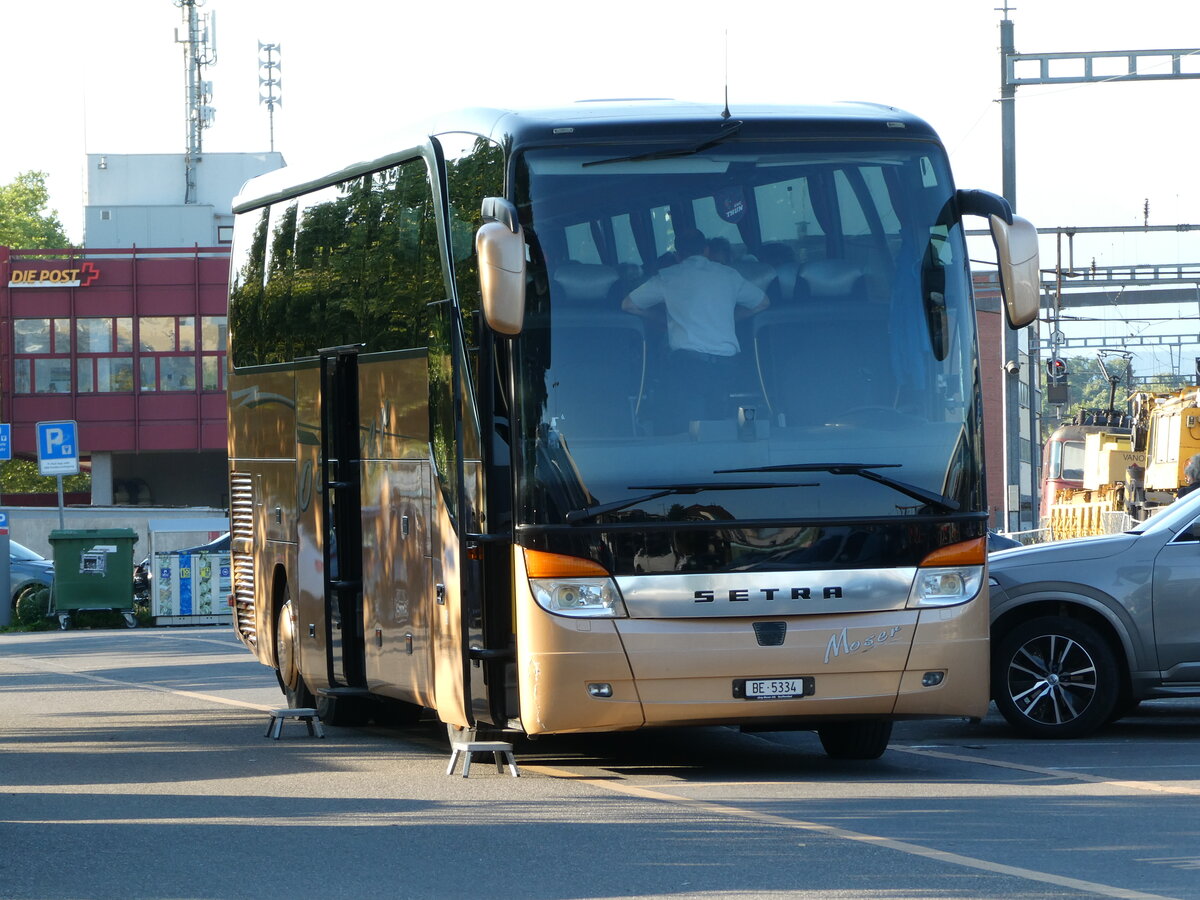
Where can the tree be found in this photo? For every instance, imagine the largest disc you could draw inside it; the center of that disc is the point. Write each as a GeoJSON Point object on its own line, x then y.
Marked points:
{"type": "Point", "coordinates": [20, 476]}
{"type": "Point", "coordinates": [25, 222]}
{"type": "Point", "coordinates": [1088, 387]}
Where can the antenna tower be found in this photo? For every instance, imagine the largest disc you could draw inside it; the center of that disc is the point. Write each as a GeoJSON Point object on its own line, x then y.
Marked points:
{"type": "Point", "coordinates": [199, 51]}
{"type": "Point", "coordinates": [270, 85]}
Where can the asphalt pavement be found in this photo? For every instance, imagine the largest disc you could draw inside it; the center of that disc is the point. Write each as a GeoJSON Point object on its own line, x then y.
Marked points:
{"type": "Point", "coordinates": [133, 764]}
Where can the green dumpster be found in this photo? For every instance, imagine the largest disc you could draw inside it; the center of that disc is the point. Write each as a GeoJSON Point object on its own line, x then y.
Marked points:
{"type": "Point", "coordinates": [93, 569]}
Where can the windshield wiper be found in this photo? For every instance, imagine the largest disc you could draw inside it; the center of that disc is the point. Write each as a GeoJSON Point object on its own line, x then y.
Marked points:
{"type": "Point", "coordinates": [862, 470]}
{"type": "Point", "coordinates": [727, 131]}
{"type": "Point", "coordinates": [666, 490]}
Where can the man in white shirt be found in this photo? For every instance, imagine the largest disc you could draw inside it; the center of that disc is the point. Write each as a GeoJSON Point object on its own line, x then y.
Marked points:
{"type": "Point", "coordinates": [703, 300]}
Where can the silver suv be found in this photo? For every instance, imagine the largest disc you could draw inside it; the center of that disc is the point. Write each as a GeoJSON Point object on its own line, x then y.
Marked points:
{"type": "Point", "coordinates": [1084, 630]}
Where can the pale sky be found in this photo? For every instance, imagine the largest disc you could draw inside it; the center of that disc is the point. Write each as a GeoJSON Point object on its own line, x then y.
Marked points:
{"type": "Point", "coordinates": [82, 76]}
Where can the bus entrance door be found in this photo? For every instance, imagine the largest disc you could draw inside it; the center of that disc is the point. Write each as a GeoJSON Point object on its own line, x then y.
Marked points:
{"type": "Point", "coordinates": [341, 504]}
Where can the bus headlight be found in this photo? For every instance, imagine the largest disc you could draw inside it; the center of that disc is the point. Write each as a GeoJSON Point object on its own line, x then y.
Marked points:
{"type": "Point", "coordinates": [578, 596]}
{"type": "Point", "coordinates": [945, 587]}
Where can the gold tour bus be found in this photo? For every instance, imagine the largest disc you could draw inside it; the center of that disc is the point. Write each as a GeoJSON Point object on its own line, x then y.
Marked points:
{"type": "Point", "coordinates": [481, 464]}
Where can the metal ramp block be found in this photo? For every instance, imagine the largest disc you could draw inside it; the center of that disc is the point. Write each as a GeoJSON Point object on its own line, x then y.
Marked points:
{"type": "Point", "coordinates": [498, 749]}
{"type": "Point", "coordinates": [306, 715]}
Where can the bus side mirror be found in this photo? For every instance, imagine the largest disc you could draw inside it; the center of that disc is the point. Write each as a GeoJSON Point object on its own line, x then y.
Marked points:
{"type": "Point", "coordinates": [1017, 260]}
{"type": "Point", "coordinates": [1016, 243]}
{"type": "Point", "coordinates": [500, 245]}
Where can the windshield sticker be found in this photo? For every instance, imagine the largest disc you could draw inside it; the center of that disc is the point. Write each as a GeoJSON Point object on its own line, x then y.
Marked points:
{"type": "Point", "coordinates": [731, 204]}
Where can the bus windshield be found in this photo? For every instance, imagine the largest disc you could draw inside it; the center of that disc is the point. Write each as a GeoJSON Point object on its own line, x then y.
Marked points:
{"type": "Point", "coordinates": [812, 358]}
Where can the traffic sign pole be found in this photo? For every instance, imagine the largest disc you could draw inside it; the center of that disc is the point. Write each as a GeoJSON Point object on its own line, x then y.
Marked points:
{"type": "Point", "coordinates": [6, 610]}
{"type": "Point", "coordinates": [58, 454]}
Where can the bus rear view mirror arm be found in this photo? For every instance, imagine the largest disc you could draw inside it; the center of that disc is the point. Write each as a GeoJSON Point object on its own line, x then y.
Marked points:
{"type": "Point", "coordinates": [500, 245]}
{"type": "Point", "coordinates": [984, 204]}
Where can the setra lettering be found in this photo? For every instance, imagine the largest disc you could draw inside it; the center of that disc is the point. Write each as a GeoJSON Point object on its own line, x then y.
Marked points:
{"type": "Point", "coordinates": [744, 595]}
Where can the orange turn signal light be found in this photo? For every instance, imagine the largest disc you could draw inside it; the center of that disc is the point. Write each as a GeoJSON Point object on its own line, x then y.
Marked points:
{"type": "Point", "coordinates": [964, 553]}
{"type": "Point", "coordinates": [539, 564]}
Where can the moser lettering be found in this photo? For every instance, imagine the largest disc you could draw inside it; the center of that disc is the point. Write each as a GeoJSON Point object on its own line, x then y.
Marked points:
{"type": "Point", "coordinates": [740, 595]}
{"type": "Point", "coordinates": [841, 643]}
{"type": "Point", "coordinates": [61, 277]}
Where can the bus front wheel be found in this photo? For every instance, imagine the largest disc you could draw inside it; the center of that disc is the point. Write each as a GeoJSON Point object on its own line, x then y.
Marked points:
{"type": "Point", "coordinates": [348, 712]}
{"type": "Point", "coordinates": [855, 740]}
{"type": "Point", "coordinates": [287, 659]}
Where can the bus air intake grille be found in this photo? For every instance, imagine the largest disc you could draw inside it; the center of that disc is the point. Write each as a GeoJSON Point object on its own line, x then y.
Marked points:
{"type": "Point", "coordinates": [770, 634]}
{"type": "Point", "coordinates": [241, 528]}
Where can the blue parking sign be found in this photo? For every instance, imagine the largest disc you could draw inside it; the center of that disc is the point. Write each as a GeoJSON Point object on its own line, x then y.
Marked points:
{"type": "Point", "coordinates": [5, 441]}
{"type": "Point", "coordinates": [58, 448]}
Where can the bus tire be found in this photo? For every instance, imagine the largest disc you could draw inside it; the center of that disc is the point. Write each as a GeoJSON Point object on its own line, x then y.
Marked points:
{"type": "Point", "coordinates": [287, 658]}
{"type": "Point", "coordinates": [346, 712]}
{"type": "Point", "coordinates": [855, 740]}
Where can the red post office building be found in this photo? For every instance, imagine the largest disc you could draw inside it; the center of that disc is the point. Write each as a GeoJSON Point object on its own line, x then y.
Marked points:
{"type": "Point", "coordinates": [129, 343]}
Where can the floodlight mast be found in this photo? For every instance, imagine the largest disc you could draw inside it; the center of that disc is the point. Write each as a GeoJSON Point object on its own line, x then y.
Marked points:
{"type": "Point", "coordinates": [199, 51]}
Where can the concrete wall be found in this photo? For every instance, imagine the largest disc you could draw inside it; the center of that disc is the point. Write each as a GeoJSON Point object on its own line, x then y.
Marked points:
{"type": "Point", "coordinates": [139, 198]}
{"type": "Point", "coordinates": [152, 226]}
{"type": "Point", "coordinates": [158, 179]}
{"type": "Point", "coordinates": [31, 526]}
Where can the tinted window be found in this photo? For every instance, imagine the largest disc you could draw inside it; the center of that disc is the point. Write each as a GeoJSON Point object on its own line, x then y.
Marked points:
{"type": "Point", "coordinates": [353, 263]}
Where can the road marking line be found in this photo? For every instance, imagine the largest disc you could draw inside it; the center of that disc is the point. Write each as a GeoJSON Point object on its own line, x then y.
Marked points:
{"type": "Point", "coordinates": [1151, 786]}
{"type": "Point", "coordinates": [942, 856]}
{"type": "Point", "coordinates": [49, 665]}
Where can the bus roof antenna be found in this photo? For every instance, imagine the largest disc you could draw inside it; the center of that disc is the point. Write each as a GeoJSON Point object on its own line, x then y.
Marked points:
{"type": "Point", "coordinates": [725, 112]}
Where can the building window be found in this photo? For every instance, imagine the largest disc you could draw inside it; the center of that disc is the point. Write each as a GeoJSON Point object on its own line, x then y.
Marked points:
{"type": "Point", "coordinates": [168, 353]}
{"type": "Point", "coordinates": [103, 335]}
{"type": "Point", "coordinates": [157, 334]}
{"type": "Point", "coordinates": [42, 376]}
{"type": "Point", "coordinates": [104, 374]}
{"type": "Point", "coordinates": [99, 368]}
{"type": "Point", "coordinates": [168, 373]}
{"type": "Point", "coordinates": [214, 333]}
{"type": "Point", "coordinates": [45, 345]}
{"type": "Point", "coordinates": [42, 336]}
{"type": "Point", "coordinates": [52, 376]}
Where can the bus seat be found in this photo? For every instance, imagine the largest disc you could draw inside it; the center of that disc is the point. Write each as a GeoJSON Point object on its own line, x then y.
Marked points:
{"type": "Point", "coordinates": [783, 258]}
{"type": "Point", "coordinates": [809, 370]}
{"type": "Point", "coordinates": [585, 284]}
{"type": "Point", "coordinates": [761, 275]}
{"type": "Point", "coordinates": [831, 279]}
{"type": "Point", "coordinates": [599, 372]}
